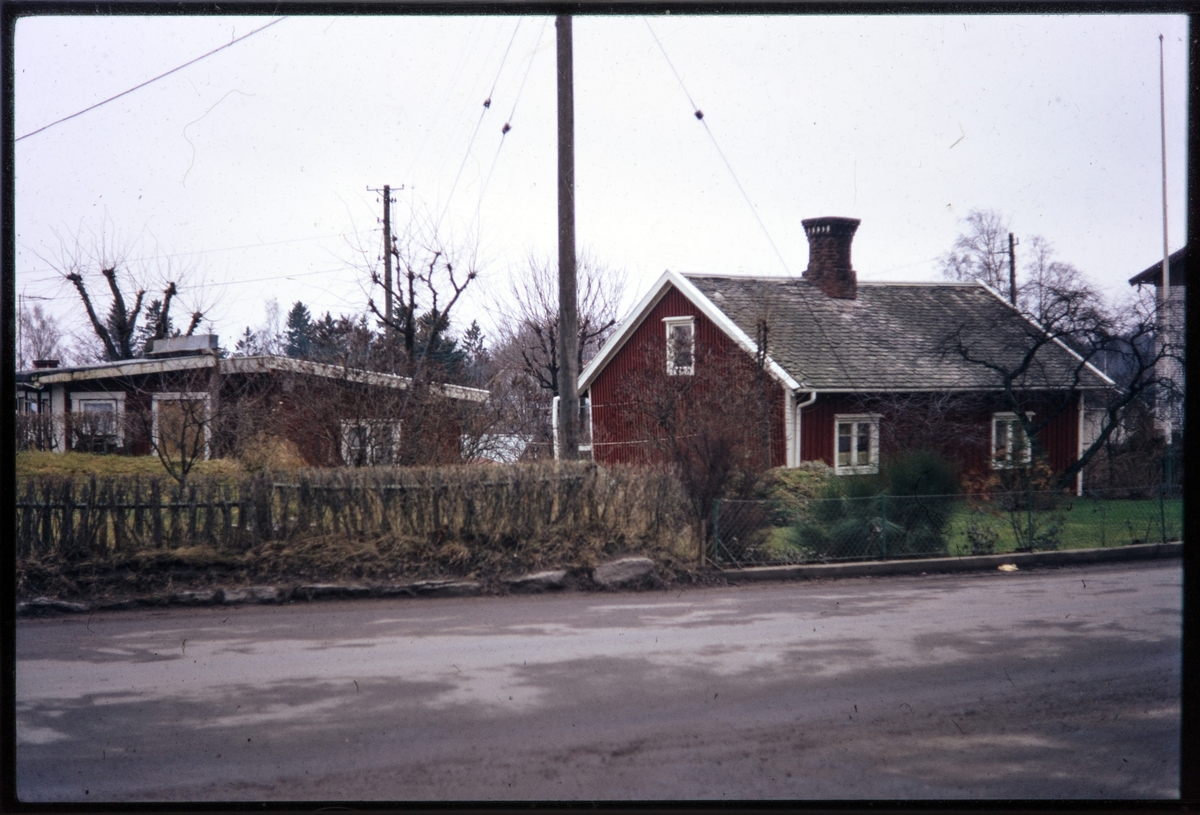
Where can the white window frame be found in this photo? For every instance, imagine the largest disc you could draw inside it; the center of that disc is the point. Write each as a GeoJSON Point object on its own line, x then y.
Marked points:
{"type": "Point", "coordinates": [1009, 418]}
{"type": "Point", "coordinates": [872, 465]}
{"type": "Point", "coordinates": [116, 398]}
{"type": "Point", "coordinates": [182, 396]}
{"type": "Point", "coordinates": [672, 323]}
{"type": "Point", "coordinates": [373, 443]}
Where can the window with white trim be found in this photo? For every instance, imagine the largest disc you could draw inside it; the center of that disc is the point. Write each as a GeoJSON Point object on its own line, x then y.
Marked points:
{"type": "Point", "coordinates": [369, 442]}
{"type": "Point", "coordinates": [1010, 445]}
{"type": "Point", "coordinates": [856, 445]}
{"type": "Point", "coordinates": [97, 424]}
{"type": "Point", "coordinates": [681, 345]}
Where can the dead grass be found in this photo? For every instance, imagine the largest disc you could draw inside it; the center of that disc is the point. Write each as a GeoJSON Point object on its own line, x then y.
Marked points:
{"type": "Point", "coordinates": [490, 524]}
{"type": "Point", "coordinates": [36, 463]}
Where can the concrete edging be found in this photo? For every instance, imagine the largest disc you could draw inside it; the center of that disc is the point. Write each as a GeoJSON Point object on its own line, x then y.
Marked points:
{"type": "Point", "coordinates": [810, 571]}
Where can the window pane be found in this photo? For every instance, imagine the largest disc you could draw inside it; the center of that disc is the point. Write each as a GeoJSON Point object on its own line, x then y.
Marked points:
{"type": "Point", "coordinates": [99, 417]}
{"type": "Point", "coordinates": [681, 346]}
{"type": "Point", "coordinates": [1002, 428]}
{"type": "Point", "coordinates": [864, 443]}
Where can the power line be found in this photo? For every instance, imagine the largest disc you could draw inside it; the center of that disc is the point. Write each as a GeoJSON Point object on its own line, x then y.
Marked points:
{"type": "Point", "coordinates": [508, 122]}
{"type": "Point", "coordinates": [699, 114]}
{"type": "Point", "coordinates": [199, 252]}
{"type": "Point", "coordinates": [148, 81]}
{"type": "Point", "coordinates": [487, 103]}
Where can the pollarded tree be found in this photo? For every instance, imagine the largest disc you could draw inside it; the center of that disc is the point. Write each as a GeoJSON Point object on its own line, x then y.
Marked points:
{"type": "Point", "coordinates": [429, 277]}
{"type": "Point", "coordinates": [81, 259]}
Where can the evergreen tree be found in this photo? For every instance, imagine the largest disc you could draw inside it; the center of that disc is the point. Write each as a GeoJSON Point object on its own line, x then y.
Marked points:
{"type": "Point", "coordinates": [440, 350]}
{"type": "Point", "coordinates": [247, 344]}
{"type": "Point", "coordinates": [150, 320]}
{"type": "Point", "coordinates": [298, 333]}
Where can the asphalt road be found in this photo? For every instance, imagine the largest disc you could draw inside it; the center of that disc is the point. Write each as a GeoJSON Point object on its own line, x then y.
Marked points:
{"type": "Point", "coordinates": [1062, 683]}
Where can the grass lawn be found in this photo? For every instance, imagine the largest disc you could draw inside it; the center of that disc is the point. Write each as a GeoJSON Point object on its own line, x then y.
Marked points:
{"type": "Point", "coordinates": [1082, 523]}
{"type": "Point", "coordinates": [81, 464]}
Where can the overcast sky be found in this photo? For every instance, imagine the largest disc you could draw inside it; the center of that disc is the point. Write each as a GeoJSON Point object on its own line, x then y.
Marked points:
{"type": "Point", "coordinates": [251, 167]}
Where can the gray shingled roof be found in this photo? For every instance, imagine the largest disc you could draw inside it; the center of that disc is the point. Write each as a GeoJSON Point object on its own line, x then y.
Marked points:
{"type": "Point", "coordinates": [894, 337]}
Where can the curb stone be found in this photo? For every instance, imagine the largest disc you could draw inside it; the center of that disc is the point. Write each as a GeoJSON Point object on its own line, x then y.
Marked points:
{"type": "Point", "coordinates": [465, 588]}
{"type": "Point", "coordinates": [40, 605]}
{"type": "Point", "coordinates": [879, 568]}
{"type": "Point", "coordinates": [538, 581]}
{"type": "Point", "coordinates": [323, 591]}
{"type": "Point", "coordinates": [621, 572]}
{"type": "Point", "coordinates": [445, 588]}
{"type": "Point", "coordinates": [251, 594]}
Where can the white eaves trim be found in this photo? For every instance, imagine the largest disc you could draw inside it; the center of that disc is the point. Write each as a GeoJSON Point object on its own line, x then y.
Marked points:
{"type": "Point", "coordinates": [245, 365]}
{"type": "Point", "coordinates": [263, 364]}
{"type": "Point", "coordinates": [707, 308]}
{"type": "Point", "coordinates": [1103, 376]}
{"type": "Point", "coordinates": [128, 367]}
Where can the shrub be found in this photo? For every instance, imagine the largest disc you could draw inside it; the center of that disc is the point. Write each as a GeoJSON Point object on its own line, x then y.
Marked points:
{"type": "Point", "coordinates": [903, 511]}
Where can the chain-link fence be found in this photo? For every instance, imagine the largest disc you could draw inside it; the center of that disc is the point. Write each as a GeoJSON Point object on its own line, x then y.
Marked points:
{"type": "Point", "coordinates": [881, 527]}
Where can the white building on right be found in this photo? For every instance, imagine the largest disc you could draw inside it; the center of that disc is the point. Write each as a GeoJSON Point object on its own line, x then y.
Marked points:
{"type": "Point", "coordinates": [1169, 335]}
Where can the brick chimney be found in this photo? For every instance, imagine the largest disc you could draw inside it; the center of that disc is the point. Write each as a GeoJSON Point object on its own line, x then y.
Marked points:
{"type": "Point", "coordinates": [829, 255]}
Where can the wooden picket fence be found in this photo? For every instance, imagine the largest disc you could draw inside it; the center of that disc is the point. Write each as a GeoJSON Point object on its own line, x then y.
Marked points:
{"type": "Point", "coordinates": [96, 517]}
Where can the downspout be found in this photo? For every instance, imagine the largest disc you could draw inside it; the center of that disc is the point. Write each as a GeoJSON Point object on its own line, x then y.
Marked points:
{"type": "Point", "coordinates": [554, 424]}
{"type": "Point", "coordinates": [1079, 455]}
{"type": "Point", "coordinates": [799, 443]}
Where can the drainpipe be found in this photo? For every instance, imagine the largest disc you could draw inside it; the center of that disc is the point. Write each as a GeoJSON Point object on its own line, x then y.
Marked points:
{"type": "Point", "coordinates": [554, 404]}
{"type": "Point", "coordinates": [799, 446]}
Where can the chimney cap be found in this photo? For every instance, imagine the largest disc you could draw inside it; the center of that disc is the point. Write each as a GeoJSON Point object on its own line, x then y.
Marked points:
{"type": "Point", "coordinates": [830, 224]}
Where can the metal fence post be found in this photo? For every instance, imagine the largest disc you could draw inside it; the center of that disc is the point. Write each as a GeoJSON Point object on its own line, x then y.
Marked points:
{"type": "Point", "coordinates": [1029, 515]}
{"type": "Point", "coordinates": [1162, 510]}
{"type": "Point", "coordinates": [716, 529]}
{"type": "Point", "coordinates": [883, 517]}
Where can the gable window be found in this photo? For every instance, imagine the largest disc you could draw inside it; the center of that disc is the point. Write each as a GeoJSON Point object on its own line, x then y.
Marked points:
{"type": "Point", "coordinates": [681, 345]}
{"type": "Point", "coordinates": [856, 445]}
{"type": "Point", "coordinates": [96, 421]}
{"type": "Point", "coordinates": [1010, 445]}
{"type": "Point", "coordinates": [367, 442]}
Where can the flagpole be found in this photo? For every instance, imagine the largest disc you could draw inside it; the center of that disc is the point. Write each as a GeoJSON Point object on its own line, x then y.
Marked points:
{"type": "Point", "coordinates": [1164, 291]}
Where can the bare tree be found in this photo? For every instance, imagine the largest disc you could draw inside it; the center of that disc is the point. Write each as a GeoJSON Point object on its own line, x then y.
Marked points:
{"type": "Point", "coordinates": [980, 252]}
{"type": "Point", "coordinates": [706, 425]}
{"type": "Point", "coordinates": [82, 258]}
{"type": "Point", "coordinates": [41, 336]}
{"type": "Point", "coordinates": [530, 342]}
{"type": "Point", "coordinates": [1032, 368]}
{"type": "Point", "coordinates": [430, 278]}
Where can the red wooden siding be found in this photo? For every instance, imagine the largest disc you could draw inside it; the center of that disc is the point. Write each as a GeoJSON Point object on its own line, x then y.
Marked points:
{"type": "Point", "coordinates": [616, 435]}
{"type": "Point", "coordinates": [968, 428]}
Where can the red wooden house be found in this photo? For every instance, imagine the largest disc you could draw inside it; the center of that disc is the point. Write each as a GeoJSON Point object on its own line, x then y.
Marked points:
{"type": "Point", "coordinates": [854, 370]}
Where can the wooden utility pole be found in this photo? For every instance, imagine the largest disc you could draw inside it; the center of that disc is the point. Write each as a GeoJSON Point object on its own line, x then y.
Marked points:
{"type": "Point", "coordinates": [387, 255]}
{"type": "Point", "coordinates": [568, 318]}
{"type": "Point", "coordinates": [1012, 270]}
{"type": "Point", "coordinates": [387, 258]}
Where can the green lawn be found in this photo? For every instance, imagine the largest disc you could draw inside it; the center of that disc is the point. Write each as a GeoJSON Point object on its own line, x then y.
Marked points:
{"type": "Point", "coordinates": [1077, 523]}
{"type": "Point", "coordinates": [1083, 523]}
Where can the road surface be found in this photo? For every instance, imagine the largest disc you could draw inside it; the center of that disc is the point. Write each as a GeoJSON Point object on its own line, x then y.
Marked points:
{"type": "Point", "coordinates": [1061, 683]}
